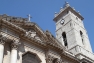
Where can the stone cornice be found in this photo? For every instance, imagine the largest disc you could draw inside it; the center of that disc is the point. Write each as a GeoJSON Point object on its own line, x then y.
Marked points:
{"type": "Point", "coordinates": [70, 56]}
{"type": "Point", "coordinates": [12, 25]}
{"type": "Point", "coordinates": [5, 38]}
{"type": "Point", "coordinates": [53, 41]}
{"type": "Point", "coordinates": [87, 58]}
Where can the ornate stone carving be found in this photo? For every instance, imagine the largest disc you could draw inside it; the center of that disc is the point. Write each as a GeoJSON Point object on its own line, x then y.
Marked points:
{"type": "Point", "coordinates": [49, 59]}
{"type": "Point", "coordinates": [32, 35]}
{"type": "Point", "coordinates": [15, 44]}
{"type": "Point", "coordinates": [56, 60]}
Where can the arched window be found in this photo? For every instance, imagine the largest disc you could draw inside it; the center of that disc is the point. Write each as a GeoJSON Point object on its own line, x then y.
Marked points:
{"type": "Point", "coordinates": [30, 58]}
{"type": "Point", "coordinates": [64, 39]}
{"type": "Point", "coordinates": [81, 34]}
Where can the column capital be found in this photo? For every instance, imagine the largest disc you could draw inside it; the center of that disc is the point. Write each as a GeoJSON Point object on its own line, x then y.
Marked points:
{"type": "Point", "coordinates": [15, 44]}
{"type": "Point", "coordinates": [2, 39]}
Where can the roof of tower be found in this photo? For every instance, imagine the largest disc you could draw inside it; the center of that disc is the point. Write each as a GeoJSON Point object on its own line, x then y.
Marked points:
{"type": "Point", "coordinates": [65, 9]}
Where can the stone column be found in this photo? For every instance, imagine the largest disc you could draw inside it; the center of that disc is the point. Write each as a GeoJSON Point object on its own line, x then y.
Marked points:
{"type": "Point", "coordinates": [2, 42]}
{"type": "Point", "coordinates": [14, 46]}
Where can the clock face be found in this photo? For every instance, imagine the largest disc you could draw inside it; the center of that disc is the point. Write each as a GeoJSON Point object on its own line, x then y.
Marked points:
{"type": "Point", "coordinates": [62, 21]}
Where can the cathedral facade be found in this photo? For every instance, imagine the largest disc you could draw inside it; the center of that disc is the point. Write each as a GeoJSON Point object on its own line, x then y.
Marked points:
{"type": "Point", "coordinates": [22, 41]}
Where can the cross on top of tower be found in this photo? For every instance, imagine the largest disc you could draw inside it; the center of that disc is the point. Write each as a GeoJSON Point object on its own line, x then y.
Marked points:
{"type": "Point", "coordinates": [29, 16]}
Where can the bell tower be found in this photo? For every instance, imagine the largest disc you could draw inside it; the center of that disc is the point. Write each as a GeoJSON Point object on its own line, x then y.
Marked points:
{"type": "Point", "coordinates": [71, 33]}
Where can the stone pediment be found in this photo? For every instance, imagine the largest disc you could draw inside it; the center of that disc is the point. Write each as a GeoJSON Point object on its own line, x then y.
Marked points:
{"type": "Point", "coordinates": [30, 27]}
{"type": "Point", "coordinates": [32, 30]}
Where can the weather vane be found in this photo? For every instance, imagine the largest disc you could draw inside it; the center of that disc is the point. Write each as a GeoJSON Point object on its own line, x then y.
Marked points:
{"type": "Point", "coordinates": [29, 16]}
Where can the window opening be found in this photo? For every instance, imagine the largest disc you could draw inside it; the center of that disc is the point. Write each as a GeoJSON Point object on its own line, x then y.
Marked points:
{"type": "Point", "coordinates": [81, 34]}
{"type": "Point", "coordinates": [64, 39]}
